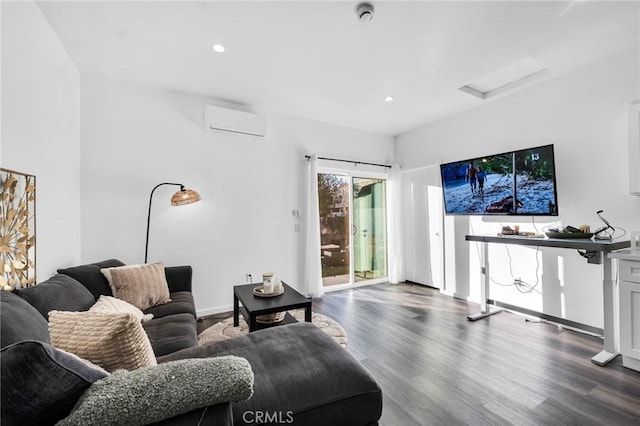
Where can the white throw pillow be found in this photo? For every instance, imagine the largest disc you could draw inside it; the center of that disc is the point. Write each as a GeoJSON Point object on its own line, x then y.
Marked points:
{"type": "Point", "coordinates": [114, 305]}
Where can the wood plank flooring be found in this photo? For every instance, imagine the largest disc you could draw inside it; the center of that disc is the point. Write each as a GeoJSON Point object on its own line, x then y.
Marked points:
{"type": "Point", "coordinates": [437, 368]}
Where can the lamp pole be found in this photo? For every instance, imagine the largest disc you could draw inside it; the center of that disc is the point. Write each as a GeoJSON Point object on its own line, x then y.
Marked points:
{"type": "Point", "coordinates": [146, 246]}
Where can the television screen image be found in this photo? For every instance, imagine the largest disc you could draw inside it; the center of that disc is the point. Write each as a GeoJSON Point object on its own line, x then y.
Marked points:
{"type": "Point", "coordinates": [519, 182]}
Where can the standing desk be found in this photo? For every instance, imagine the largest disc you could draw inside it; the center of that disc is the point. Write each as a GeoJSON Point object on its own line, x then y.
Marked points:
{"type": "Point", "coordinates": [600, 248]}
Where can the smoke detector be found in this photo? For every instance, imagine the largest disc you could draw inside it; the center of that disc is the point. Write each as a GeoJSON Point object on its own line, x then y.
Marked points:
{"type": "Point", "coordinates": [364, 12]}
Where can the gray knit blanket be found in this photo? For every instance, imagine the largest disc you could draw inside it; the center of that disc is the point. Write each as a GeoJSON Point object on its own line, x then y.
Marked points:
{"type": "Point", "coordinates": [151, 394]}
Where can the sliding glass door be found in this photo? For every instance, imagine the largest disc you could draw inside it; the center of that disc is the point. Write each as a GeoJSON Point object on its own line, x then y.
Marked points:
{"type": "Point", "coordinates": [369, 228]}
{"type": "Point", "coordinates": [333, 200]}
{"type": "Point", "coordinates": [353, 228]}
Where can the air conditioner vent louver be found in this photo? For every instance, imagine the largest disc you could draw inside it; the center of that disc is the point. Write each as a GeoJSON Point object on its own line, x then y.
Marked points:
{"type": "Point", "coordinates": [234, 121]}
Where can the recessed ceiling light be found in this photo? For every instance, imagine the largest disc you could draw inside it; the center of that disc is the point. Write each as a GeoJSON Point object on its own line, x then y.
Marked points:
{"type": "Point", "coordinates": [218, 48]}
{"type": "Point", "coordinates": [389, 98]}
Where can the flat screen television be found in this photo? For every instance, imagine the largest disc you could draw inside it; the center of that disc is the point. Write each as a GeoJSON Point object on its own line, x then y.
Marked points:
{"type": "Point", "coordinates": [519, 182]}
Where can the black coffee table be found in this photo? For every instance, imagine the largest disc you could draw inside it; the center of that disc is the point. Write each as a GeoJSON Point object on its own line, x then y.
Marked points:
{"type": "Point", "coordinates": [253, 305]}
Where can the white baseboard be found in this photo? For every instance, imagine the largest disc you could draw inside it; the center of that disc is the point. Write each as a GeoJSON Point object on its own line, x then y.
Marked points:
{"type": "Point", "coordinates": [458, 296]}
{"type": "Point", "coordinates": [214, 310]}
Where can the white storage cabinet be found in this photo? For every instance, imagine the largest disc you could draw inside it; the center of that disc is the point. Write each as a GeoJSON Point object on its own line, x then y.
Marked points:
{"type": "Point", "coordinates": [630, 310]}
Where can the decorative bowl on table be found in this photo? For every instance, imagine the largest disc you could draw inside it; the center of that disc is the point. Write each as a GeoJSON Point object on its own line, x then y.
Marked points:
{"type": "Point", "coordinates": [260, 291]}
{"type": "Point", "coordinates": [271, 318]}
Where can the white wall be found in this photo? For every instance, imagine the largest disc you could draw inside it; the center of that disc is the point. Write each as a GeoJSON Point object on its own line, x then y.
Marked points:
{"type": "Point", "coordinates": [135, 137]}
{"type": "Point", "coordinates": [423, 227]}
{"type": "Point", "coordinates": [1, 83]}
{"type": "Point", "coordinates": [584, 116]}
{"type": "Point", "coordinates": [41, 129]}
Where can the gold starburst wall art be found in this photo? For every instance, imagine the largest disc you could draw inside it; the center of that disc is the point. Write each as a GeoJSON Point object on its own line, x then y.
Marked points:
{"type": "Point", "coordinates": [17, 229]}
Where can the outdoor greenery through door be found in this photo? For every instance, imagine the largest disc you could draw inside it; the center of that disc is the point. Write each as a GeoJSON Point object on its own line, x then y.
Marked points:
{"type": "Point", "coordinates": [353, 228]}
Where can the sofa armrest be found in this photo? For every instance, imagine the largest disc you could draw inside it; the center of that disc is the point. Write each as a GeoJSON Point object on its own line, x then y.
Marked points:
{"type": "Point", "coordinates": [178, 278]}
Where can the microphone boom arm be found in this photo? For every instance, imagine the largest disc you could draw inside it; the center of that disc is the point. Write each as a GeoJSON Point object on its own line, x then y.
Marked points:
{"type": "Point", "coordinates": [604, 228]}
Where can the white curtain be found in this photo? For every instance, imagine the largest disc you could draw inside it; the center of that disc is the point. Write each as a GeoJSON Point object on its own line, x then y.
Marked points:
{"type": "Point", "coordinates": [313, 267]}
{"type": "Point", "coordinates": [394, 225]}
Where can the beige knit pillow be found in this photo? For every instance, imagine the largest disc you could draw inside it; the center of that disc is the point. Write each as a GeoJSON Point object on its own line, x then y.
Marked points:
{"type": "Point", "coordinates": [107, 274]}
{"type": "Point", "coordinates": [142, 286]}
{"type": "Point", "coordinates": [112, 341]}
{"type": "Point", "coordinates": [114, 305]}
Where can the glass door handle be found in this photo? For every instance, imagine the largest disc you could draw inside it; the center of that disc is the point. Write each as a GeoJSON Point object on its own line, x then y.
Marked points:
{"type": "Point", "coordinates": [354, 229]}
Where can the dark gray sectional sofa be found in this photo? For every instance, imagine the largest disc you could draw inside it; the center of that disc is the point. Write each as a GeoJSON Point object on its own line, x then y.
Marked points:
{"type": "Point", "coordinates": [301, 375]}
{"type": "Point", "coordinates": [173, 326]}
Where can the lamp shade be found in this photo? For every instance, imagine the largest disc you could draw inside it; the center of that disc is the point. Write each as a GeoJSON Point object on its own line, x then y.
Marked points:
{"type": "Point", "coordinates": [184, 197]}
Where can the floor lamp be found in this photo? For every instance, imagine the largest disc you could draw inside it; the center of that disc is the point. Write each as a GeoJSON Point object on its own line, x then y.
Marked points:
{"type": "Point", "coordinates": [180, 198]}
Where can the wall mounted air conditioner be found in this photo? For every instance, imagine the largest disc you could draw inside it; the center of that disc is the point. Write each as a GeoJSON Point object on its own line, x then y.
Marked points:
{"type": "Point", "coordinates": [231, 120]}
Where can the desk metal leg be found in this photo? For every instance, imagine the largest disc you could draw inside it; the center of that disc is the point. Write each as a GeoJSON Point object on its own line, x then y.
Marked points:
{"type": "Point", "coordinates": [609, 352]}
{"type": "Point", "coordinates": [485, 309]}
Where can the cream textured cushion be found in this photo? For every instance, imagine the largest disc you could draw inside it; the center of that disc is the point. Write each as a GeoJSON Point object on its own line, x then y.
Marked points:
{"type": "Point", "coordinates": [112, 341]}
{"type": "Point", "coordinates": [142, 286]}
{"type": "Point", "coordinates": [114, 305]}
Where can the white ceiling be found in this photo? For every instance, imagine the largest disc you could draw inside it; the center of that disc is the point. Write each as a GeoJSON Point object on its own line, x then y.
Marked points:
{"type": "Point", "coordinates": [314, 60]}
